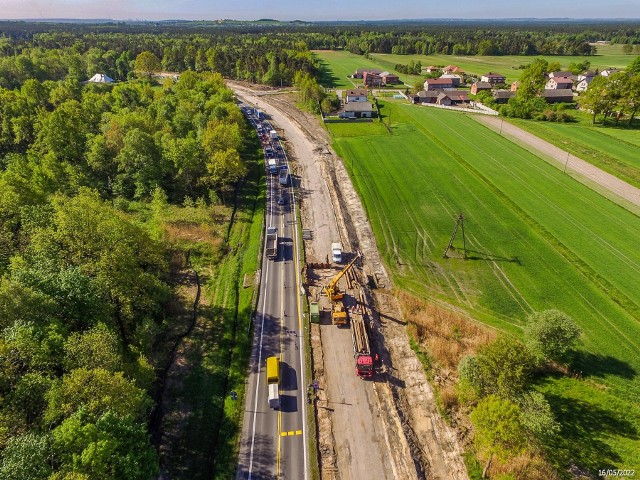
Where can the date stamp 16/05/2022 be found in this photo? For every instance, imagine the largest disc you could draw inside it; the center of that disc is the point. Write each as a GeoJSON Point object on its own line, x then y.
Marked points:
{"type": "Point", "coordinates": [609, 473]}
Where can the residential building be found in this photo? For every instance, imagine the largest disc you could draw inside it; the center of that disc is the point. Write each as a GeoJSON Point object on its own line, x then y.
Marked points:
{"type": "Point", "coordinates": [452, 69]}
{"type": "Point", "coordinates": [437, 83]}
{"type": "Point", "coordinates": [560, 74]}
{"type": "Point", "coordinates": [480, 86]}
{"type": "Point", "coordinates": [424, 96]}
{"type": "Point", "coordinates": [389, 78]}
{"type": "Point", "coordinates": [493, 78]}
{"type": "Point", "coordinates": [514, 86]}
{"type": "Point", "coordinates": [456, 79]}
{"type": "Point", "coordinates": [431, 69]}
{"type": "Point", "coordinates": [556, 95]}
{"type": "Point", "coordinates": [372, 79]}
{"type": "Point", "coordinates": [357, 110]}
{"type": "Point", "coordinates": [559, 83]}
{"type": "Point", "coordinates": [359, 73]}
{"type": "Point", "coordinates": [609, 71]}
{"type": "Point", "coordinates": [583, 84]}
{"type": "Point", "coordinates": [452, 97]}
{"type": "Point", "coordinates": [589, 74]}
{"type": "Point", "coordinates": [356, 95]}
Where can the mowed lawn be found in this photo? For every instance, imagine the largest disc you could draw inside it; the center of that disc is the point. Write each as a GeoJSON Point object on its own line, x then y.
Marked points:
{"type": "Point", "coordinates": [535, 240]}
{"type": "Point", "coordinates": [615, 150]}
{"type": "Point", "coordinates": [339, 65]}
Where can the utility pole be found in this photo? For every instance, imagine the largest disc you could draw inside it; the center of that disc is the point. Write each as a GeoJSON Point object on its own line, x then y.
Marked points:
{"type": "Point", "coordinates": [566, 163]}
{"type": "Point", "coordinates": [459, 224]}
{"type": "Point", "coordinates": [501, 123]}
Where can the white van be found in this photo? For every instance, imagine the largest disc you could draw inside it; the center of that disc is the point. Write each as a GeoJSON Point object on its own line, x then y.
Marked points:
{"type": "Point", "coordinates": [274, 396]}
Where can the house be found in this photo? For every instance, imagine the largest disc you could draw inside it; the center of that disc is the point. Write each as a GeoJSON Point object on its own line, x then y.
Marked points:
{"type": "Point", "coordinates": [424, 96]}
{"type": "Point", "coordinates": [609, 71]}
{"type": "Point", "coordinates": [556, 95]}
{"type": "Point", "coordinates": [452, 97]}
{"type": "Point", "coordinates": [372, 79]}
{"type": "Point", "coordinates": [356, 95]}
{"type": "Point", "coordinates": [389, 78]}
{"type": "Point", "coordinates": [100, 78]}
{"type": "Point", "coordinates": [560, 74]}
{"type": "Point", "coordinates": [437, 83]}
{"type": "Point", "coordinates": [480, 86]}
{"type": "Point", "coordinates": [431, 69]}
{"type": "Point", "coordinates": [559, 83]}
{"type": "Point", "coordinates": [493, 78]}
{"type": "Point", "coordinates": [452, 69]}
{"type": "Point", "coordinates": [583, 84]}
{"type": "Point", "coordinates": [361, 71]}
{"type": "Point", "coordinates": [357, 110]}
{"type": "Point", "coordinates": [502, 96]}
{"type": "Point", "coordinates": [514, 86]}
{"type": "Point", "coordinates": [589, 74]}
{"type": "Point", "coordinates": [455, 78]}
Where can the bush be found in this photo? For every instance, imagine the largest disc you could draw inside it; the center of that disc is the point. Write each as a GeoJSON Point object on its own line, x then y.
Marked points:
{"type": "Point", "coordinates": [551, 335]}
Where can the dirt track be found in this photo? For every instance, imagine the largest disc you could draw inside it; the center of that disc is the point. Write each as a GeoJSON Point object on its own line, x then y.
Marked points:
{"type": "Point", "coordinates": [389, 427]}
{"type": "Point", "coordinates": [582, 170]}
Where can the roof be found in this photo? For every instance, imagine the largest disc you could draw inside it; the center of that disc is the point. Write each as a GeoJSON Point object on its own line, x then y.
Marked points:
{"type": "Point", "coordinates": [557, 92]}
{"type": "Point", "coordinates": [504, 94]}
{"type": "Point", "coordinates": [486, 85]}
{"type": "Point", "coordinates": [563, 80]}
{"type": "Point", "coordinates": [560, 74]}
{"type": "Point", "coordinates": [357, 92]}
{"type": "Point", "coordinates": [369, 70]}
{"type": "Point", "coordinates": [100, 78]}
{"type": "Point", "coordinates": [451, 75]}
{"type": "Point", "coordinates": [438, 81]}
{"type": "Point", "coordinates": [493, 75]}
{"type": "Point", "coordinates": [457, 95]}
{"type": "Point", "coordinates": [358, 107]}
{"type": "Point", "coordinates": [387, 74]}
{"type": "Point", "coordinates": [428, 94]}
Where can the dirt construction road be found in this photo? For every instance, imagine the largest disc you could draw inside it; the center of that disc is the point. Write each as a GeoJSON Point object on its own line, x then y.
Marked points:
{"type": "Point", "coordinates": [388, 428]}
{"type": "Point", "coordinates": [601, 181]}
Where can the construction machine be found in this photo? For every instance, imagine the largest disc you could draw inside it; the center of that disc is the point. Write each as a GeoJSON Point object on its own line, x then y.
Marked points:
{"type": "Point", "coordinates": [338, 312]}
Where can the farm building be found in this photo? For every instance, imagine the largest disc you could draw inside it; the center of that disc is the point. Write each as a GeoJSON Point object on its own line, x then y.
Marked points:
{"type": "Point", "coordinates": [437, 83]}
{"type": "Point", "coordinates": [493, 78]}
{"type": "Point", "coordinates": [502, 96]}
{"type": "Point", "coordinates": [558, 95]}
{"type": "Point", "coordinates": [559, 83]}
{"type": "Point", "coordinates": [479, 87]}
{"type": "Point", "coordinates": [431, 69]}
{"type": "Point", "coordinates": [356, 95]}
{"type": "Point", "coordinates": [424, 96]}
{"type": "Point", "coordinates": [452, 97]}
{"type": "Point", "coordinates": [357, 110]}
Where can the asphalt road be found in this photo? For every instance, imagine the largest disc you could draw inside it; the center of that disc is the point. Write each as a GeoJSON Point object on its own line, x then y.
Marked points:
{"type": "Point", "coordinates": [274, 442]}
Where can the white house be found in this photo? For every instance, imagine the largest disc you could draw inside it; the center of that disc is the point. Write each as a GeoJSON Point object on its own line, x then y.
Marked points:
{"type": "Point", "coordinates": [357, 110]}
{"type": "Point", "coordinates": [559, 83]}
{"type": "Point", "coordinates": [609, 71]}
{"type": "Point", "coordinates": [583, 84]}
{"type": "Point", "coordinates": [100, 78]}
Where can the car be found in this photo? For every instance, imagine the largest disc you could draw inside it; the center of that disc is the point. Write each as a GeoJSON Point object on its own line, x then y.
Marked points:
{"type": "Point", "coordinates": [282, 200]}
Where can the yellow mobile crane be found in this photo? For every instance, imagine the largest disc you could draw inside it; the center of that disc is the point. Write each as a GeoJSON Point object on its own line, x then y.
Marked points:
{"type": "Point", "coordinates": [338, 313]}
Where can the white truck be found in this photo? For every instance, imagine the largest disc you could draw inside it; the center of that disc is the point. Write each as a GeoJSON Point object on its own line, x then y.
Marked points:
{"type": "Point", "coordinates": [273, 166]}
{"type": "Point", "coordinates": [336, 252]}
{"type": "Point", "coordinates": [273, 135]}
{"type": "Point", "coordinates": [272, 242]}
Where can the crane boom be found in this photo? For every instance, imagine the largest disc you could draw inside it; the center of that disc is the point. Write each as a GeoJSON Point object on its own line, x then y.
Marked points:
{"type": "Point", "coordinates": [331, 288]}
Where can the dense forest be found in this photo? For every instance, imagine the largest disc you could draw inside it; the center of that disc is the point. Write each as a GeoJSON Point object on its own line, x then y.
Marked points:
{"type": "Point", "coordinates": [84, 284]}
{"type": "Point", "coordinates": [272, 52]}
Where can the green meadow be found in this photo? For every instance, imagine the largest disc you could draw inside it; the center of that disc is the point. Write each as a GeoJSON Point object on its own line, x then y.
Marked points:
{"type": "Point", "coordinates": [535, 239]}
{"type": "Point", "coordinates": [614, 150]}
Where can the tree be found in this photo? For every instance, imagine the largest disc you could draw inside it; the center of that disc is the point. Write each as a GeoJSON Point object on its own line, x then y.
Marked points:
{"type": "Point", "coordinates": [631, 97]}
{"type": "Point", "coordinates": [503, 368]}
{"type": "Point", "coordinates": [627, 49]}
{"type": "Point", "coordinates": [95, 391]}
{"type": "Point", "coordinates": [596, 98]}
{"type": "Point", "coordinates": [537, 417]}
{"type": "Point", "coordinates": [146, 64]}
{"type": "Point", "coordinates": [27, 457]}
{"type": "Point", "coordinates": [551, 334]}
{"type": "Point", "coordinates": [95, 348]}
{"type": "Point", "coordinates": [532, 80]}
{"type": "Point", "coordinates": [498, 430]}
{"type": "Point", "coordinates": [634, 66]}
{"type": "Point", "coordinates": [110, 448]}
{"type": "Point", "coordinates": [224, 167]}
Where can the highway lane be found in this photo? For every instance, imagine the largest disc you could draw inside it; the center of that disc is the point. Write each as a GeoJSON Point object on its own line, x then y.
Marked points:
{"type": "Point", "coordinates": [273, 443]}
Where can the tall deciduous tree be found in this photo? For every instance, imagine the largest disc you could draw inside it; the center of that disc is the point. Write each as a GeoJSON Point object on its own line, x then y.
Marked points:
{"type": "Point", "coordinates": [551, 334]}
{"type": "Point", "coordinates": [146, 64]}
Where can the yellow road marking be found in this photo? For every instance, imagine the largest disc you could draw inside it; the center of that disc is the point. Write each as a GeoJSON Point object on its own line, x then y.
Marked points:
{"type": "Point", "coordinates": [298, 432]}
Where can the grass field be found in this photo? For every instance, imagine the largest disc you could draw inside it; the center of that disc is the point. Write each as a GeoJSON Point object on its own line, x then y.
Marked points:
{"type": "Point", "coordinates": [615, 150]}
{"type": "Point", "coordinates": [535, 240]}
{"type": "Point", "coordinates": [340, 64]}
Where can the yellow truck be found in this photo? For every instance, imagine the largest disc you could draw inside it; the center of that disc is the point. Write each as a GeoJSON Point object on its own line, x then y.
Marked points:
{"type": "Point", "coordinates": [273, 381]}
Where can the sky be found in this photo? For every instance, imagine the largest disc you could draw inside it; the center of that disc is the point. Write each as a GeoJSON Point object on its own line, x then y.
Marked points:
{"type": "Point", "coordinates": [314, 10]}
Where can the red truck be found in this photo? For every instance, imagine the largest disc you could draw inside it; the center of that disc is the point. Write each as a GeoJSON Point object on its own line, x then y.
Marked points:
{"type": "Point", "coordinates": [361, 348]}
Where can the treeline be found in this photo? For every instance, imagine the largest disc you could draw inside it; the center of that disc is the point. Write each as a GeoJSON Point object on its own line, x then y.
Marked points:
{"type": "Point", "coordinates": [84, 284]}
{"type": "Point", "coordinates": [55, 55]}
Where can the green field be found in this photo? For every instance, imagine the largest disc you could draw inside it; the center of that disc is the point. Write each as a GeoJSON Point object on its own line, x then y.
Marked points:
{"type": "Point", "coordinates": [535, 239]}
{"type": "Point", "coordinates": [615, 150]}
{"type": "Point", "coordinates": [339, 65]}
